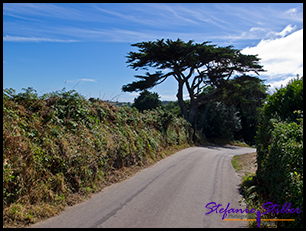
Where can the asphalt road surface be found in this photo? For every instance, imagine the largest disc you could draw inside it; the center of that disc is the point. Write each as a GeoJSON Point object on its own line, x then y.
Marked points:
{"type": "Point", "coordinates": [172, 193]}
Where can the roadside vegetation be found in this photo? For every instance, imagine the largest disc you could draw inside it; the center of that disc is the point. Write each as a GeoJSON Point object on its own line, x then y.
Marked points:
{"type": "Point", "coordinates": [60, 148]}
{"type": "Point", "coordinates": [279, 143]}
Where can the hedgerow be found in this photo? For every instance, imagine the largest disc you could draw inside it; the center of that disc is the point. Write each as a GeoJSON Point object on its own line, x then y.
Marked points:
{"type": "Point", "coordinates": [279, 143]}
{"type": "Point", "coordinates": [280, 169]}
{"type": "Point", "coordinates": [60, 144]}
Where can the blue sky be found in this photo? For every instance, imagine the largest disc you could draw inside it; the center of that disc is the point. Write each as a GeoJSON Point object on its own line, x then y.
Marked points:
{"type": "Point", "coordinates": [83, 46]}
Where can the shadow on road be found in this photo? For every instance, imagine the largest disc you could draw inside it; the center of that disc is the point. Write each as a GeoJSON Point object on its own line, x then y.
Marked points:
{"type": "Point", "coordinates": [217, 147]}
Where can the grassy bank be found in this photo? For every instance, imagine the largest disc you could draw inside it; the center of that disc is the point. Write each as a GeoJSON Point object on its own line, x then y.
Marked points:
{"type": "Point", "coordinates": [60, 148]}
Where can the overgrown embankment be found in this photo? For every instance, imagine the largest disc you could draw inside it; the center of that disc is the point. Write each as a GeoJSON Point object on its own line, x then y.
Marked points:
{"type": "Point", "coordinates": [60, 145]}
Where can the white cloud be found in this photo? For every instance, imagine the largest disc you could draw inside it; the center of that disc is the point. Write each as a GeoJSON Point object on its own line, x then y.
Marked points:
{"type": "Point", "coordinates": [257, 29]}
{"type": "Point", "coordinates": [279, 84]}
{"type": "Point", "coordinates": [88, 80]}
{"type": "Point", "coordinates": [8, 38]}
{"type": "Point", "coordinates": [281, 57]}
{"type": "Point", "coordinates": [291, 11]}
{"type": "Point", "coordinates": [80, 80]}
{"type": "Point", "coordinates": [288, 29]}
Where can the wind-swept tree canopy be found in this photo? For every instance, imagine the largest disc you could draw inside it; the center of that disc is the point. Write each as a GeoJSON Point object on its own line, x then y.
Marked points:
{"type": "Point", "coordinates": [146, 82]}
{"type": "Point", "coordinates": [195, 65]}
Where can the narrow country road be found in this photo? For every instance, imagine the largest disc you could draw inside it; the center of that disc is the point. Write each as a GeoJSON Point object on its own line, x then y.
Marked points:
{"type": "Point", "coordinates": [171, 193]}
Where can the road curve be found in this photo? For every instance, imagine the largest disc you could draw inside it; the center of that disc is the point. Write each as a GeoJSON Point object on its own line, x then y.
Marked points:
{"type": "Point", "coordinates": [171, 193]}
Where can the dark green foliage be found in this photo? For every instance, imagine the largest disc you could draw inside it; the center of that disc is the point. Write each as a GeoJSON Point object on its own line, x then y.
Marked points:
{"type": "Point", "coordinates": [147, 100]}
{"type": "Point", "coordinates": [146, 82]}
{"type": "Point", "coordinates": [242, 95]}
{"type": "Point", "coordinates": [219, 121]}
{"type": "Point", "coordinates": [286, 100]}
{"type": "Point", "coordinates": [246, 94]}
{"type": "Point", "coordinates": [280, 151]}
{"type": "Point", "coordinates": [173, 107]}
{"type": "Point", "coordinates": [280, 166]}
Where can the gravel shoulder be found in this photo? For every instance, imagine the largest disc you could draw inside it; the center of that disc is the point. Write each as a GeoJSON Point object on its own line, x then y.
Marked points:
{"type": "Point", "coordinates": [245, 164]}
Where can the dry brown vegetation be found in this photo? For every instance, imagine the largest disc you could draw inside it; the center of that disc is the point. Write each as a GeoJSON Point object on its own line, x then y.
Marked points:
{"type": "Point", "coordinates": [60, 148]}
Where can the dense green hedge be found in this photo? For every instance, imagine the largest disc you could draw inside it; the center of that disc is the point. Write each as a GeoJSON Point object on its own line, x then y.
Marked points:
{"type": "Point", "coordinates": [60, 143]}
{"type": "Point", "coordinates": [220, 121]}
{"type": "Point", "coordinates": [280, 169]}
{"type": "Point", "coordinates": [279, 176]}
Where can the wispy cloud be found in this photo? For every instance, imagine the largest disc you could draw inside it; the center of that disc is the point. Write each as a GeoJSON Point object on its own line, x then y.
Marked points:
{"type": "Point", "coordinates": [88, 80]}
{"type": "Point", "coordinates": [288, 29]}
{"type": "Point", "coordinates": [295, 14]}
{"type": "Point", "coordinates": [292, 11]}
{"type": "Point", "coordinates": [79, 80]}
{"type": "Point", "coordinates": [44, 10]}
{"type": "Point", "coordinates": [146, 21]}
{"type": "Point", "coordinates": [150, 14]}
{"type": "Point", "coordinates": [262, 33]}
{"type": "Point", "coordinates": [8, 38]}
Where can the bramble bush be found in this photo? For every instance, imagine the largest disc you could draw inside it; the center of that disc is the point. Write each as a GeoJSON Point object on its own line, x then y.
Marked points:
{"type": "Point", "coordinates": [60, 144]}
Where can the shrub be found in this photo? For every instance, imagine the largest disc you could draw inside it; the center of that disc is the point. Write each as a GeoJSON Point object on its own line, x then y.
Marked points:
{"type": "Point", "coordinates": [147, 100]}
{"type": "Point", "coordinates": [280, 151]}
{"type": "Point", "coordinates": [281, 168]}
{"type": "Point", "coordinates": [285, 101]}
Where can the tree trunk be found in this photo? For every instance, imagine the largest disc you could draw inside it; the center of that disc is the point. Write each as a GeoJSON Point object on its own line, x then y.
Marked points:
{"type": "Point", "coordinates": [193, 116]}
{"type": "Point", "coordinates": [192, 111]}
{"type": "Point", "coordinates": [181, 102]}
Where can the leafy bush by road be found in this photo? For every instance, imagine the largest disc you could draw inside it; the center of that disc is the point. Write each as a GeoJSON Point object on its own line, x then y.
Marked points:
{"type": "Point", "coordinates": [279, 177]}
